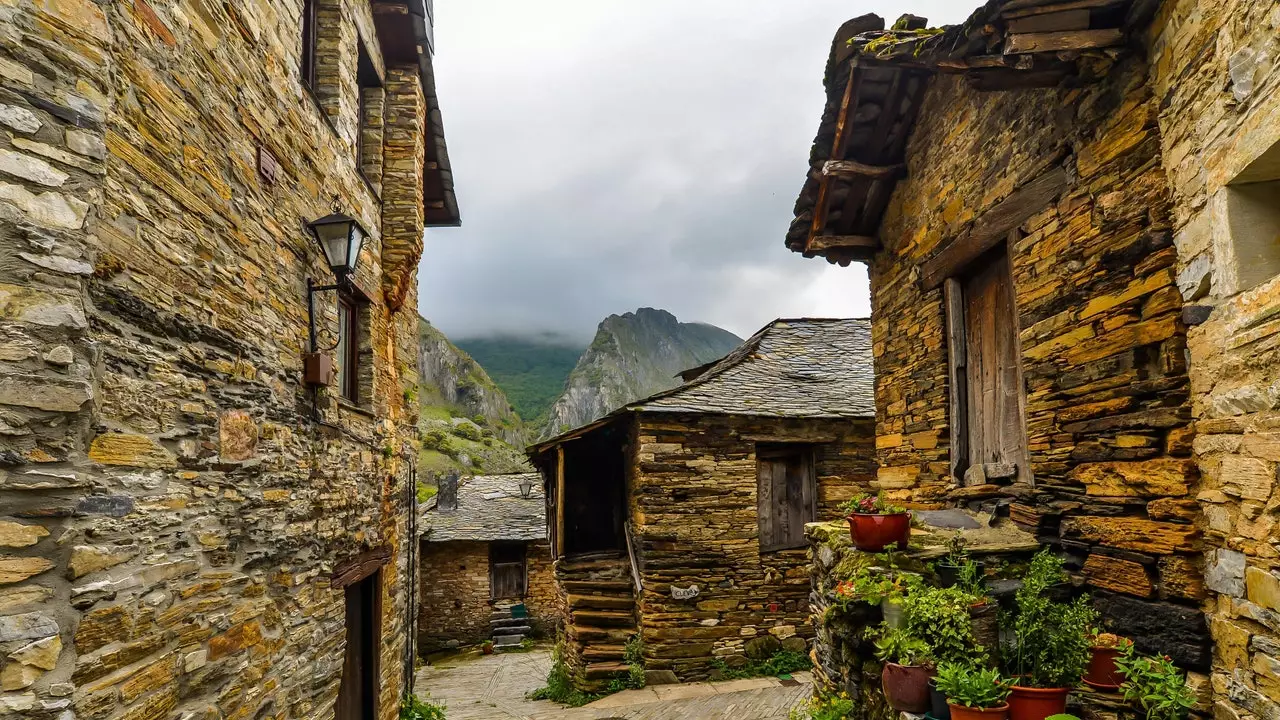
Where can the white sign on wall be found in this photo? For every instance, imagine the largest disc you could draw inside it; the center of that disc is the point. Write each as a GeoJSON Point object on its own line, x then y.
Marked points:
{"type": "Point", "coordinates": [688, 593]}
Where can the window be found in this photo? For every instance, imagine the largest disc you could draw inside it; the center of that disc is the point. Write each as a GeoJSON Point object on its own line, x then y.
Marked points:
{"type": "Point", "coordinates": [1253, 219]}
{"type": "Point", "coordinates": [369, 107]}
{"type": "Point", "coordinates": [988, 437]}
{"type": "Point", "coordinates": [354, 377]}
{"type": "Point", "coordinates": [507, 574]}
{"type": "Point", "coordinates": [786, 494]}
{"type": "Point", "coordinates": [310, 28]}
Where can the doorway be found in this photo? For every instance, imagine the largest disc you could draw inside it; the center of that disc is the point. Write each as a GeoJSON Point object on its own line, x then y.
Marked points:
{"type": "Point", "coordinates": [358, 693]}
{"type": "Point", "coordinates": [508, 578]}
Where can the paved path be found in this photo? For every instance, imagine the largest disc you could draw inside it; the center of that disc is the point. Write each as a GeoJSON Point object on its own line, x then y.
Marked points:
{"type": "Point", "coordinates": [493, 687]}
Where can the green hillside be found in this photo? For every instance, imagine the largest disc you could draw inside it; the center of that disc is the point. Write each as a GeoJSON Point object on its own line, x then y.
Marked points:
{"type": "Point", "coordinates": [531, 372]}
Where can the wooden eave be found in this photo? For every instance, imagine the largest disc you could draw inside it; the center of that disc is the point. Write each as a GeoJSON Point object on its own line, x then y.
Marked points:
{"type": "Point", "coordinates": [876, 83]}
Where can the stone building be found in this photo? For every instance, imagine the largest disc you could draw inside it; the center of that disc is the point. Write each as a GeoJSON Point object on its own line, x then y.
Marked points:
{"type": "Point", "coordinates": [683, 514]}
{"type": "Point", "coordinates": [187, 529]}
{"type": "Point", "coordinates": [485, 549]}
{"type": "Point", "coordinates": [1068, 214]}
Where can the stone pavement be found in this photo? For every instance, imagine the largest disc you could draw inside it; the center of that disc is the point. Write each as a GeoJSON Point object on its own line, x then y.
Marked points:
{"type": "Point", "coordinates": [493, 687]}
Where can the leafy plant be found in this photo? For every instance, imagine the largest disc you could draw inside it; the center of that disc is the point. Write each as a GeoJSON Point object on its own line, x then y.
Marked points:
{"type": "Point", "coordinates": [971, 580]}
{"type": "Point", "coordinates": [1156, 684]}
{"type": "Point", "coordinates": [782, 662]}
{"type": "Point", "coordinates": [829, 707]}
{"type": "Point", "coordinates": [940, 617]}
{"type": "Point", "coordinates": [899, 646]}
{"type": "Point", "coordinates": [956, 550]}
{"type": "Point", "coordinates": [868, 504]}
{"type": "Point", "coordinates": [875, 583]}
{"type": "Point", "coordinates": [633, 654]}
{"type": "Point", "coordinates": [1051, 647]}
{"type": "Point", "coordinates": [1100, 639]}
{"type": "Point", "coordinates": [972, 686]}
{"type": "Point", "coordinates": [414, 708]}
{"type": "Point", "coordinates": [559, 687]}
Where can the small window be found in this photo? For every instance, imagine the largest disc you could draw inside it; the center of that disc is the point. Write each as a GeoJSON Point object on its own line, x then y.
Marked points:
{"type": "Point", "coordinates": [369, 107]}
{"type": "Point", "coordinates": [353, 345]}
{"type": "Point", "coordinates": [310, 28]}
{"type": "Point", "coordinates": [1253, 219]}
{"type": "Point", "coordinates": [786, 493]}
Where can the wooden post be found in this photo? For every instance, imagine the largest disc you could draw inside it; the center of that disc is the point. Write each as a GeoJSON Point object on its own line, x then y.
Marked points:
{"type": "Point", "coordinates": [560, 501]}
{"type": "Point", "coordinates": [957, 369]}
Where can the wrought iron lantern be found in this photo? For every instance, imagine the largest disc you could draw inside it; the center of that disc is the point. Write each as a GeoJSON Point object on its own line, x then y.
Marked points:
{"type": "Point", "coordinates": [526, 487]}
{"type": "Point", "coordinates": [340, 237]}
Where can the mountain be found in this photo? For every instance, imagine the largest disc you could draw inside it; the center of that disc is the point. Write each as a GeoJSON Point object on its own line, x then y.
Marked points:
{"type": "Point", "coordinates": [464, 419]}
{"type": "Point", "coordinates": [633, 356]}
{"type": "Point", "coordinates": [532, 371]}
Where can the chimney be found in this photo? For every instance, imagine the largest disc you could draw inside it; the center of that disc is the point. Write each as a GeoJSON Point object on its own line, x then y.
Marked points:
{"type": "Point", "coordinates": [447, 498]}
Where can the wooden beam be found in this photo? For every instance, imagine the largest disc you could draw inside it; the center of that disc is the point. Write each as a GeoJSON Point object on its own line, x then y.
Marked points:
{"type": "Point", "coordinates": [1026, 8]}
{"type": "Point", "coordinates": [852, 89]}
{"type": "Point", "coordinates": [957, 372]}
{"type": "Point", "coordinates": [994, 225]}
{"type": "Point", "coordinates": [355, 569]}
{"type": "Point", "coordinates": [819, 243]}
{"type": "Point", "coordinates": [853, 168]}
{"type": "Point", "coordinates": [560, 501]}
{"type": "Point", "coordinates": [1069, 40]}
{"type": "Point", "coordinates": [1051, 22]}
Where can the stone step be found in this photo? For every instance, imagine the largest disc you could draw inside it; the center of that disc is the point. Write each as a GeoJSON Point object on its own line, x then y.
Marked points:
{"type": "Point", "coordinates": [508, 622]}
{"type": "Point", "coordinates": [499, 615]}
{"type": "Point", "coordinates": [590, 587]}
{"type": "Point", "coordinates": [596, 653]}
{"type": "Point", "coordinates": [601, 670]}
{"type": "Point", "coordinates": [601, 602]}
{"type": "Point", "coordinates": [511, 630]}
{"type": "Point", "coordinates": [588, 634]}
{"type": "Point", "coordinates": [603, 618]}
{"type": "Point", "coordinates": [500, 641]}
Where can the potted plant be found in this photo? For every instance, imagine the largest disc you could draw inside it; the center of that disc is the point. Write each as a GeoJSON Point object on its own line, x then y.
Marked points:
{"type": "Point", "coordinates": [1051, 647]}
{"type": "Point", "coordinates": [1154, 682]}
{"type": "Point", "coordinates": [951, 569]}
{"type": "Point", "coordinates": [941, 617]}
{"type": "Point", "coordinates": [1104, 649]}
{"type": "Point", "coordinates": [486, 647]}
{"type": "Point", "coordinates": [875, 524]}
{"type": "Point", "coordinates": [907, 669]}
{"type": "Point", "coordinates": [973, 692]}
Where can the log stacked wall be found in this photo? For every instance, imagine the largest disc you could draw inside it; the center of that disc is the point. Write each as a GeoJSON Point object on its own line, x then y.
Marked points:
{"type": "Point", "coordinates": [1099, 320]}
{"type": "Point", "coordinates": [171, 515]}
{"type": "Point", "coordinates": [1217, 77]}
{"type": "Point", "coordinates": [693, 507]}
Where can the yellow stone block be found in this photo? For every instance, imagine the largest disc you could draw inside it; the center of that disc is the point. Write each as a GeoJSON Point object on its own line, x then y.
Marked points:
{"type": "Point", "coordinates": [130, 450]}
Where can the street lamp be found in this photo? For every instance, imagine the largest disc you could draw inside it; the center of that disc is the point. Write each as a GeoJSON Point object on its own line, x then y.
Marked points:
{"type": "Point", "coordinates": [526, 487]}
{"type": "Point", "coordinates": [340, 238]}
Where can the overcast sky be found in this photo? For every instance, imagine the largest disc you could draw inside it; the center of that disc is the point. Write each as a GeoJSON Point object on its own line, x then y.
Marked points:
{"type": "Point", "coordinates": [610, 155]}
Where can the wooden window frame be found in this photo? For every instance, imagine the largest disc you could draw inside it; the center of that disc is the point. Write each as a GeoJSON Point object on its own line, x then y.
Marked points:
{"type": "Point", "coordinates": [310, 33]}
{"type": "Point", "coordinates": [351, 331]}
{"type": "Point", "coordinates": [765, 502]}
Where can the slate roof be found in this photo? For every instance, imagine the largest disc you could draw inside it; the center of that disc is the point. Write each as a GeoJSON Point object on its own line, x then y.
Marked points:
{"type": "Point", "coordinates": [803, 367]}
{"type": "Point", "coordinates": [489, 508]}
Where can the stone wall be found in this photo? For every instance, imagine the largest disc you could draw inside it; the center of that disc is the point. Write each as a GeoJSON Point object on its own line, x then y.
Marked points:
{"type": "Point", "coordinates": [694, 514]}
{"type": "Point", "coordinates": [1216, 77]}
{"type": "Point", "coordinates": [455, 606]}
{"type": "Point", "coordinates": [1102, 343]}
{"type": "Point", "coordinates": [172, 516]}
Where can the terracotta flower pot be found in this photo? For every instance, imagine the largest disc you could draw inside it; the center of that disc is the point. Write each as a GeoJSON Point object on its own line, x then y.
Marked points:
{"type": "Point", "coordinates": [1027, 703]}
{"type": "Point", "coordinates": [906, 687]}
{"type": "Point", "coordinates": [960, 712]}
{"type": "Point", "coordinates": [873, 533]}
{"type": "Point", "coordinates": [1102, 672]}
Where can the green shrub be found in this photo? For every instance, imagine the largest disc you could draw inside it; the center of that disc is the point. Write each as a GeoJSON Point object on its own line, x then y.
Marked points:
{"type": "Point", "coordinates": [831, 707]}
{"type": "Point", "coordinates": [467, 431]}
{"type": "Point", "coordinates": [897, 645]}
{"type": "Point", "coordinates": [1051, 649]}
{"type": "Point", "coordinates": [940, 617]}
{"type": "Point", "coordinates": [782, 662]}
{"type": "Point", "coordinates": [559, 687]}
{"type": "Point", "coordinates": [415, 708]}
{"type": "Point", "coordinates": [426, 492]}
{"type": "Point", "coordinates": [1156, 684]}
{"type": "Point", "coordinates": [972, 685]}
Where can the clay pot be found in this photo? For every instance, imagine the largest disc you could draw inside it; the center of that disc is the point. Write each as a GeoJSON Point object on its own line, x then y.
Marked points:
{"type": "Point", "coordinates": [893, 612]}
{"type": "Point", "coordinates": [938, 707]}
{"type": "Point", "coordinates": [1027, 703]}
{"type": "Point", "coordinates": [873, 533]}
{"type": "Point", "coordinates": [960, 712]}
{"type": "Point", "coordinates": [1102, 673]}
{"type": "Point", "coordinates": [906, 687]}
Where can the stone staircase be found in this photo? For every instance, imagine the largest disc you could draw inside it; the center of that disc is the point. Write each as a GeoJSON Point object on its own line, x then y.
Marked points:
{"type": "Point", "coordinates": [601, 602]}
{"type": "Point", "coordinates": [506, 631]}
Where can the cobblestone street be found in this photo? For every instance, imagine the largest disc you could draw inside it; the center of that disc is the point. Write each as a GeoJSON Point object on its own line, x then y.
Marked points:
{"type": "Point", "coordinates": [494, 687]}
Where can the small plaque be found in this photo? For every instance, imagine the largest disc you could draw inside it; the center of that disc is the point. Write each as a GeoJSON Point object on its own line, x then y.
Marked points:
{"type": "Point", "coordinates": [688, 593]}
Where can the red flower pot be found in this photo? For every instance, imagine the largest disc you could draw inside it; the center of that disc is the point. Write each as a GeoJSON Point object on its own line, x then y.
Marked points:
{"type": "Point", "coordinates": [1102, 672]}
{"type": "Point", "coordinates": [1027, 703]}
{"type": "Point", "coordinates": [873, 533]}
{"type": "Point", "coordinates": [906, 687]}
{"type": "Point", "coordinates": [960, 712]}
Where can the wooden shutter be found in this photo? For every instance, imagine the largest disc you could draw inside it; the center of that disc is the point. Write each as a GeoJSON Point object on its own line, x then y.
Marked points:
{"type": "Point", "coordinates": [507, 576]}
{"type": "Point", "coordinates": [786, 495]}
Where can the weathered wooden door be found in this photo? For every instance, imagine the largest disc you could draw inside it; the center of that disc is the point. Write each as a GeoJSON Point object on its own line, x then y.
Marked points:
{"type": "Point", "coordinates": [358, 692]}
{"type": "Point", "coordinates": [786, 495]}
{"type": "Point", "coordinates": [992, 407]}
{"type": "Point", "coordinates": [507, 573]}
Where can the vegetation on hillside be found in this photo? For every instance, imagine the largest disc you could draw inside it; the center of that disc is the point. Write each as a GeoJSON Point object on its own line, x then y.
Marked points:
{"type": "Point", "coordinates": [531, 371]}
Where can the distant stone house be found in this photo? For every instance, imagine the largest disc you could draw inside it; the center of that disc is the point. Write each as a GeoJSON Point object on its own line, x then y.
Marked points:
{"type": "Point", "coordinates": [681, 515]}
{"type": "Point", "coordinates": [188, 526]}
{"type": "Point", "coordinates": [1068, 215]}
{"type": "Point", "coordinates": [484, 549]}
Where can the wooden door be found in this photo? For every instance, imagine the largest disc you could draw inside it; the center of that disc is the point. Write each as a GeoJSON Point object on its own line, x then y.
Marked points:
{"type": "Point", "coordinates": [507, 571]}
{"type": "Point", "coordinates": [994, 426]}
{"type": "Point", "coordinates": [358, 692]}
{"type": "Point", "coordinates": [786, 494]}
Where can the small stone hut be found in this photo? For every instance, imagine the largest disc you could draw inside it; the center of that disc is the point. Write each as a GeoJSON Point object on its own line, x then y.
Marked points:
{"type": "Point", "coordinates": [683, 514]}
{"type": "Point", "coordinates": [484, 549]}
{"type": "Point", "coordinates": [1068, 214]}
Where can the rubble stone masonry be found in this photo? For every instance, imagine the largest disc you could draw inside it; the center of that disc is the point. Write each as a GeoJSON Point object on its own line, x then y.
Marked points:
{"type": "Point", "coordinates": [170, 515]}
{"type": "Point", "coordinates": [694, 513]}
{"type": "Point", "coordinates": [1216, 74]}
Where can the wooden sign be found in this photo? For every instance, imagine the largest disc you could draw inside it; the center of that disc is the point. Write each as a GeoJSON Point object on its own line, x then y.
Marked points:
{"type": "Point", "coordinates": [688, 593]}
